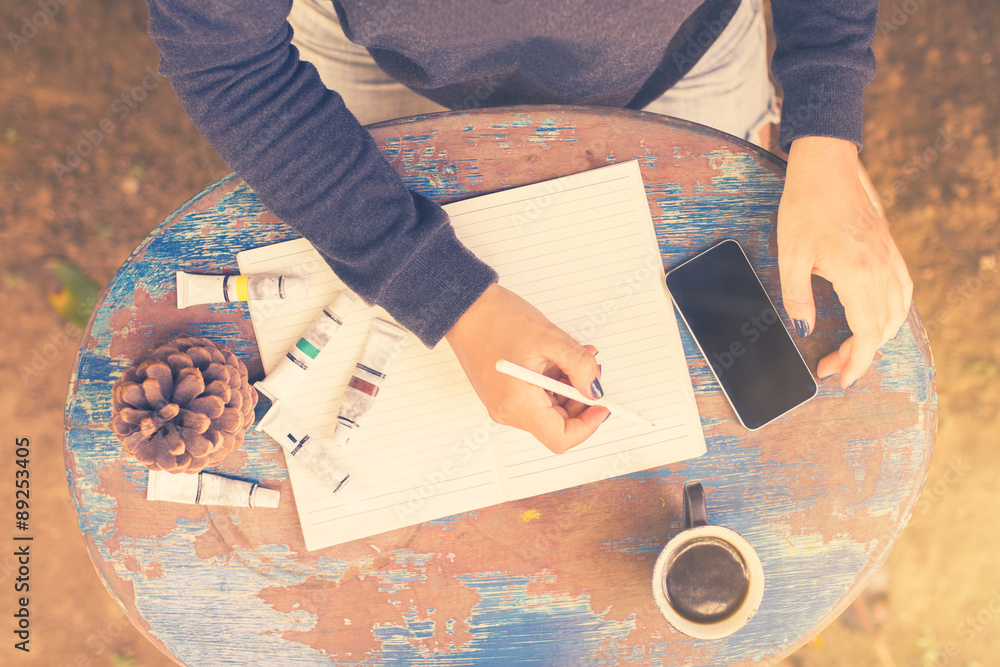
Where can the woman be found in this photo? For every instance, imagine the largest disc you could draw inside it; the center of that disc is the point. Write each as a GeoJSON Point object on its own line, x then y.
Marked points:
{"type": "Point", "coordinates": [298, 144]}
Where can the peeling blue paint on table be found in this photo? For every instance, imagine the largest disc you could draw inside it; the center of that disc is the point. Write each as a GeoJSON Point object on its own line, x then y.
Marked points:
{"type": "Point", "coordinates": [564, 578]}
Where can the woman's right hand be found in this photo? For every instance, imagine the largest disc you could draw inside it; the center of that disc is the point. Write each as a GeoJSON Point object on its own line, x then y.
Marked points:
{"type": "Point", "coordinates": [502, 325]}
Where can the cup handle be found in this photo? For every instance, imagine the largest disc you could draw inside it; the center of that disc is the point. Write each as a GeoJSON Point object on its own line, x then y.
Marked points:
{"type": "Point", "coordinates": [695, 513]}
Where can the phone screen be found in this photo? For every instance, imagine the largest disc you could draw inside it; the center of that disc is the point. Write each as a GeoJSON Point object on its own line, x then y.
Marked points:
{"type": "Point", "coordinates": [741, 335]}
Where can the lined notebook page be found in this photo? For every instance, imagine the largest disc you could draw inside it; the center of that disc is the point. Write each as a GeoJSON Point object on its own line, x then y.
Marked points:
{"type": "Point", "coordinates": [581, 249]}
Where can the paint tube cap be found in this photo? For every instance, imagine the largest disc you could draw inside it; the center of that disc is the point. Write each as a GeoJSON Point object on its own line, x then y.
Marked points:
{"type": "Point", "coordinates": [273, 414]}
{"type": "Point", "coordinates": [342, 435]}
{"type": "Point", "coordinates": [264, 388]}
{"type": "Point", "coordinates": [296, 287]}
{"type": "Point", "coordinates": [342, 304]}
{"type": "Point", "coordinates": [266, 497]}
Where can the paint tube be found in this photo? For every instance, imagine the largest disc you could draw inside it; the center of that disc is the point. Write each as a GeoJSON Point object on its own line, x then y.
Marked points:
{"type": "Point", "coordinates": [383, 345]}
{"type": "Point", "coordinates": [299, 445]}
{"type": "Point", "coordinates": [194, 289]}
{"type": "Point", "coordinates": [295, 363]}
{"type": "Point", "coordinates": [208, 489]}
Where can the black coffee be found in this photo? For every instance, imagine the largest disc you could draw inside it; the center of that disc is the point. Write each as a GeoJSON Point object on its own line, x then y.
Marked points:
{"type": "Point", "coordinates": [707, 580]}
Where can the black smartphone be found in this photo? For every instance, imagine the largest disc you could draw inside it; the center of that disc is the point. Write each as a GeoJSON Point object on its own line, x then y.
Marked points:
{"type": "Point", "coordinates": [741, 335]}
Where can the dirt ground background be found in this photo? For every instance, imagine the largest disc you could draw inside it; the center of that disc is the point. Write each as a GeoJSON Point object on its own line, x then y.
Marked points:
{"type": "Point", "coordinates": [933, 149]}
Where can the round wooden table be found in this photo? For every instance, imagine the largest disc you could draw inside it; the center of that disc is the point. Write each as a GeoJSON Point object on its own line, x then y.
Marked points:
{"type": "Point", "coordinates": [821, 494]}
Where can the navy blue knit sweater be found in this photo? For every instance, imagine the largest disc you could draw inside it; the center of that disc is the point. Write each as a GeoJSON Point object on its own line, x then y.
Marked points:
{"type": "Point", "coordinates": [312, 164]}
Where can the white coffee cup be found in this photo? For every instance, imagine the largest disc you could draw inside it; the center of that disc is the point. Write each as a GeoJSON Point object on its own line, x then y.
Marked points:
{"type": "Point", "coordinates": [708, 581]}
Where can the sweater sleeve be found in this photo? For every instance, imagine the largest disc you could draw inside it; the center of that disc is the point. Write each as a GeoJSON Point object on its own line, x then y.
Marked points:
{"type": "Point", "coordinates": [823, 61]}
{"type": "Point", "coordinates": [313, 165]}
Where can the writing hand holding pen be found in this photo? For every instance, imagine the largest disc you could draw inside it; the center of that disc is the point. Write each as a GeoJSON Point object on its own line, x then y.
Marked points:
{"type": "Point", "coordinates": [502, 325]}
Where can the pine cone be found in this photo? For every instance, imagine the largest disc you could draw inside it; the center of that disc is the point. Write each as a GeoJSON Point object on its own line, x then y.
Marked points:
{"type": "Point", "coordinates": [183, 406]}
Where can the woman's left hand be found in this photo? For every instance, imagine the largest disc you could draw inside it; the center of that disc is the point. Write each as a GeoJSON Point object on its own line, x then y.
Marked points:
{"type": "Point", "coordinates": [828, 225]}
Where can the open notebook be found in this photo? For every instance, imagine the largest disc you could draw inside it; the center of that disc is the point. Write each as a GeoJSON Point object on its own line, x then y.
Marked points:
{"type": "Point", "coordinates": [581, 249]}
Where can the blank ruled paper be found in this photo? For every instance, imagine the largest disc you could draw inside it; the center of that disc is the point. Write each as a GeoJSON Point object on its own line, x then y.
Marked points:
{"type": "Point", "coordinates": [582, 250]}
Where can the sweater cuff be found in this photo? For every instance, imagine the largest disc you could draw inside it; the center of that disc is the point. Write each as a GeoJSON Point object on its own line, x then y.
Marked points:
{"type": "Point", "coordinates": [822, 102]}
{"type": "Point", "coordinates": [436, 286]}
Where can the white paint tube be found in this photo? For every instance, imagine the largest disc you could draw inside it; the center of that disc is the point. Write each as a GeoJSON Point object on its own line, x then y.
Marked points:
{"type": "Point", "coordinates": [194, 289]}
{"type": "Point", "coordinates": [292, 367]}
{"type": "Point", "coordinates": [208, 489]}
{"type": "Point", "coordinates": [299, 445]}
{"type": "Point", "coordinates": [383, 345]}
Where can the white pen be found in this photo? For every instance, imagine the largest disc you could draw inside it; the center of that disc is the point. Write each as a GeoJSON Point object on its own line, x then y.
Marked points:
{"type": "Point", "coordinates": [567, 391]}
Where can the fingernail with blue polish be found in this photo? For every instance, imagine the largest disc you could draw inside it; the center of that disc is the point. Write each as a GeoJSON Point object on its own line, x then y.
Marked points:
{"type": "Point", "coordinates": [595, 388]}
{"type": "Point", "coordinates": [802, 328]}
{"type": "Point", "coordinates": [606, 417]}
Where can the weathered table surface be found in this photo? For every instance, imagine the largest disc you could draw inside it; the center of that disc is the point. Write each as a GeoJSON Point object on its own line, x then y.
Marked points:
{"type": "Point", "coordinates": [822, 494]}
